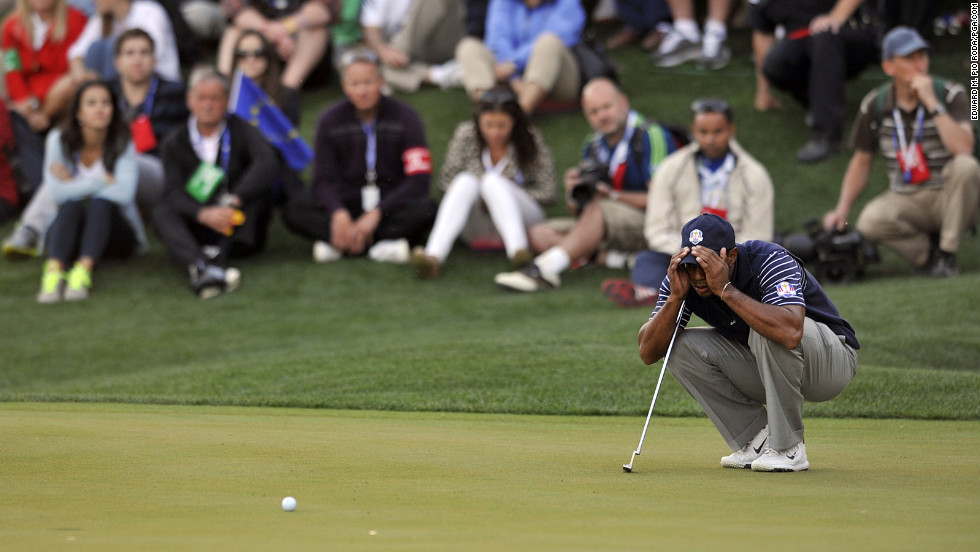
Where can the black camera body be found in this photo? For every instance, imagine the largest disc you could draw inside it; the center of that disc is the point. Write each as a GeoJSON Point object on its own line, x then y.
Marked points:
{"type": "Point", "coordinates": [838, 256]}
{"type": "Point", "coordinates": [591, 172]}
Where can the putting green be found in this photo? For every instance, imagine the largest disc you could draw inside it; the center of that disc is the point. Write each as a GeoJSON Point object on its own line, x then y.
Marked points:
{"type": "Point", "coordinates": [125, 477]}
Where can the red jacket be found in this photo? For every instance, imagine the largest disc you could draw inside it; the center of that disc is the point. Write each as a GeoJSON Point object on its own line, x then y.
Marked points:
{"type": "Point", "coordinates": [38, 69]}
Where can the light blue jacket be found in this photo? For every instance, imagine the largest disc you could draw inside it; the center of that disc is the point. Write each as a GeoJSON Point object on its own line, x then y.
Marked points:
{"type": "Point", "coordinates": [512, 27]}
{"type": "Point", "coordinates": [122, 191]}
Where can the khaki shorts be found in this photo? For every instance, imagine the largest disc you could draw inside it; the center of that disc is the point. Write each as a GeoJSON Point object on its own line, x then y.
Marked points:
{"type": "Point", "coordinates": [624, 226]}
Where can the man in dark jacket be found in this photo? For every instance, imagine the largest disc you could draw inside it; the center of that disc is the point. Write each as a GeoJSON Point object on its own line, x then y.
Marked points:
{"type": "Point", "coordinates": [371, 173]}
{"type": "Point", "coordinates": [217, 196]}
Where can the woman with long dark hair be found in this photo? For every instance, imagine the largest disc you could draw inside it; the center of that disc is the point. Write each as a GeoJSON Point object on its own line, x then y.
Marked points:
{"type": "Point", "coordinates": [255, 57]}
{"type": "Point", "coordinates": [497, 175]}
{"type": "Point", "coordinates": [90, 165]}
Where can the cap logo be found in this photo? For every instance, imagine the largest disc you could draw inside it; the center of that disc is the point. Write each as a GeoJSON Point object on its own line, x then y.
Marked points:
{"type": "Point", "coordinates": [696, 237]}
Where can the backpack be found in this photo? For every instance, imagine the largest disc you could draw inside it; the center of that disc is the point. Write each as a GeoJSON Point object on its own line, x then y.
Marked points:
{"type": "Point", "coordinates": [939, 86]}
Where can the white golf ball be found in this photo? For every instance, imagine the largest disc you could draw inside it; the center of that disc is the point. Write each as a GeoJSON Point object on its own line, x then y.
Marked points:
{"type": "Point", "coordinates": [289, 504]}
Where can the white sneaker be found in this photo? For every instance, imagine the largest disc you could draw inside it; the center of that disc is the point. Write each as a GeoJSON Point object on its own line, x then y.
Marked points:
{"type": "Point", "coordinates": [742, 458]}
{"type": "Point", "coordinates": [620, 259]}
{"type": "Point", "coordinates": [233, 279]}
{"type": "Point", "coordinates": [323, 252]}
{"type": "Point", "coordinates": [714, 53]}
{"type": "Point", "coordinates": [675, 50]}
{"type": "Point", "coordinates": [528, 279]}
{"type": "Point", "coordinates": [391, 251]}
{"type": "Point", "coordinates": [792, 459]}
{"type": "Point", "coordinates": [448, 75]}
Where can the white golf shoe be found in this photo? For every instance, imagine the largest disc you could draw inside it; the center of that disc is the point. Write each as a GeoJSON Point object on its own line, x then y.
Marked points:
{"type": "Point", "coordinates": [792, 459]}
{"type": "Point", "coordinates": [742, 458]}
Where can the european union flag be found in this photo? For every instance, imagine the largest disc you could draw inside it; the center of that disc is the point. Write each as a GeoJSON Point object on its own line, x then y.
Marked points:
{"type": "Point", "coordinates": [252, 104]}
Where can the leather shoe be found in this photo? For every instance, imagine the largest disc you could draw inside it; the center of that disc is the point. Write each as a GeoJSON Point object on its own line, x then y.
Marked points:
{"type": "Point", "coordinates": [818, 149]}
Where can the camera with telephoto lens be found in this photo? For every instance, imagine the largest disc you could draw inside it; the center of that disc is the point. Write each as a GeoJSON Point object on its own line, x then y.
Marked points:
{"type": "Point", "coordinates": [591, 172]}
{"type": "Point", "coordinates": [838, 256]}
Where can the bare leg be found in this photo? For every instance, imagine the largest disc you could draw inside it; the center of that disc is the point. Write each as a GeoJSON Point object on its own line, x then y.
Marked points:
{"type": "Point", "coordinates": [542, 238]}
{"type": "Point", "coordinates": [311, 44]}
{"type": "Point", "coordinates": [585, 237]}
{"type": "Point", "coordinates": [530, 96]}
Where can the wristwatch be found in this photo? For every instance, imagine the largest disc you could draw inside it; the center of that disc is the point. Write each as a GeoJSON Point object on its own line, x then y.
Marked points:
{"type": "Point", "coordinates": [34, 103]}
{"type": "Point", "coordinates": [940, 110]}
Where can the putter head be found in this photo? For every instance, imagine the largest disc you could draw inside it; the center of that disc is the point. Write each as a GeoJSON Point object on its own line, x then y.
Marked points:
{"type": "Point", "coordinates": [628, 468]}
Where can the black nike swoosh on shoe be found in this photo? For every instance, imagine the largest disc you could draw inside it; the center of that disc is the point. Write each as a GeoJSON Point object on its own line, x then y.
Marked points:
{"type": "Point", "coordinates": [791, 457]}
{"type": "Point", "coordinates": [759, 450]}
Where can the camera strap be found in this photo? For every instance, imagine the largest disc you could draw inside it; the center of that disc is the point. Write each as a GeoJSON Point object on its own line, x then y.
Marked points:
{"type": "Point", "coordinates": [617, 158]}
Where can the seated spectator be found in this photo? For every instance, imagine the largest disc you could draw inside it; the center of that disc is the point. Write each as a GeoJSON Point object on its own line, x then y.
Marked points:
{"type": "Point", "coordinates": [298, 31]}
{"type": "Point", "coordinates": [217, 200]}
{"type": "Point", "coordinates": [254, 56]}
{"type": "Point", "coordinates": [371, 171]}
{"type": "Point", "coordinates": [607, 192]}
{"type": "Point", "coordinates": [644, 21]}
{"type": "Point", "coordinates": [823, 46]}
{"type": "Point", "coordinates": [415, 40]}
{"type": "Point", "coordinates": [150, 105]}
{"type": "Point", "coordinates": [92, 55]}
{"type": "Point", "coordinates": [685, 43]}
{"type": "Point", "coordinates": [921, 126]}
{"type": "Point", "coordinates": [256, 60]}
{"type": "Point", "coordinates": [528, 44]}
{"type": "Point", "coordinates": [711, 175]}
{"type": "Point", "coordinates": [90, 169]}
{"type": "Point", "coordinates": [497, 175]}
{"type": "Point", "coordinates": [35, 42]}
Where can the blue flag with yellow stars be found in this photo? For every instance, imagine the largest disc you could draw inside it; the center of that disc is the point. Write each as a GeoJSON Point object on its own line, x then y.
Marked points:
{"type": "Point", "coordinates": [252, 104]}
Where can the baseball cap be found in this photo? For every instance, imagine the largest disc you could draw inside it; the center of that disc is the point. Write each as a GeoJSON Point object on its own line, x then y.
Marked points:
{"type": "Point", "coordinates": [901, 41]}
{"type": "Point", "coordinates": [709, 231]}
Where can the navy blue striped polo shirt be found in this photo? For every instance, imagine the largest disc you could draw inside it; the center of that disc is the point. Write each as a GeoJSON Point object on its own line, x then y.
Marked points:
{"type": "Point", "coordinates": [769, 274]}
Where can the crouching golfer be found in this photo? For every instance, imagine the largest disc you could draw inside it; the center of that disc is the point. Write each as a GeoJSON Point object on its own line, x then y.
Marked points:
{"type": "Point", "coordinates": [775, 340]}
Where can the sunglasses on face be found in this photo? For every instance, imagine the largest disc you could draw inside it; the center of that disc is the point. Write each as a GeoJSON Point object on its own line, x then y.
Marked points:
{"type": "Point", "coordinates": [242, 54]}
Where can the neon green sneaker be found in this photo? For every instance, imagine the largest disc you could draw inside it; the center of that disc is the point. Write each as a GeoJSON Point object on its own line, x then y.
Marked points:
{"type": "Point", "coordinates": [24, 243]}
{"type": "Point", "coordinates": [52, 286]}
{"type": "Point", "coordinates": [79, 282]}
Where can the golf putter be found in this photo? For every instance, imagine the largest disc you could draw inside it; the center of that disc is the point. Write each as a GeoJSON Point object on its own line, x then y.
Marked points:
{"type": "Point", "coordinates": [628, 468]}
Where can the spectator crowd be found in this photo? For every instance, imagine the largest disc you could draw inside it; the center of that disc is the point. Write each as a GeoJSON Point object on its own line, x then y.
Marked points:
{"type": "Point", "coordinates": [122, 118]}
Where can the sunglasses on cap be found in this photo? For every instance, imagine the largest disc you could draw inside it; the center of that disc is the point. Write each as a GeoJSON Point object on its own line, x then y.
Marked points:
{"type": "Point", "coordinates": [712, 105]}
{"type": "Point", "coordinates": [257, 53]}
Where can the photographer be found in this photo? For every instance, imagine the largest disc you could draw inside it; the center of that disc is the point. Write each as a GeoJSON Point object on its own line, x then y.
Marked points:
{"type": "Point", "coordinates": [711, 175]}
{"type": "Point", "coordinates": [625, 151]}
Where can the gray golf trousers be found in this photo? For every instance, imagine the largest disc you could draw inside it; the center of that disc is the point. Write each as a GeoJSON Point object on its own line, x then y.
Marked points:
{"type": "Point", "coordinates": [735, 384]}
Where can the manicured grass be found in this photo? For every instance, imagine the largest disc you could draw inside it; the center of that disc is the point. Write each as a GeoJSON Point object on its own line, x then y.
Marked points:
{"type": "Point", "coordinates": [360, 335]}
{"type": "Point", "coordinates": [123, 477]}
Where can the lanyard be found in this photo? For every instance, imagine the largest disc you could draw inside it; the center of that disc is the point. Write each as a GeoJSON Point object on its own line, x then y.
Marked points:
{"type": "Point", "coordinates": [197, 143]}
{"type": "Point", "coordinates": [147, 103]}
{"type": "Point", "coordinates": [370, 152]}
{"type": "Point", "coordinates": [617, 160]}
{"type": "Point", "coordinates": [225, 149]}
{"type": "Point", "coordinates": [714, 183]}
{"type": "Point", "coordinates": [904, 149]}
